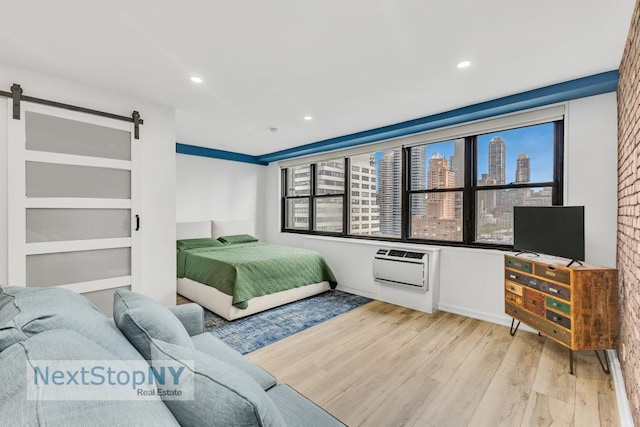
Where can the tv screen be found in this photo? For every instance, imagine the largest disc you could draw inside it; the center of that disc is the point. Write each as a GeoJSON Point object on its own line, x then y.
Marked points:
{"type": "Point", "coordinates": [550, 230]}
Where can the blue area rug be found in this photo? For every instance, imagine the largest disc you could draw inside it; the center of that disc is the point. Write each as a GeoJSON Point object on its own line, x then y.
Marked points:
{"type": "Point", "coordinates": [256, 331]}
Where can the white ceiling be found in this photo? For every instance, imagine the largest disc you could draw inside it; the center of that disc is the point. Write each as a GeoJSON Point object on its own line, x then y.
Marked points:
{"type": "Point", "coordinates": [353, 65]}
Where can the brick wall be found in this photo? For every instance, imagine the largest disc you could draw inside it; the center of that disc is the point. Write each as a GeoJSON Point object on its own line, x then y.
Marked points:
{"type": "Point", "coordinates": [629, 213]}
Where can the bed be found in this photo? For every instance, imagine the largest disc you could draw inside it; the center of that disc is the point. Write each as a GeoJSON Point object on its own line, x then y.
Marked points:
{"type": "Point", "coordinates": [244, 277]}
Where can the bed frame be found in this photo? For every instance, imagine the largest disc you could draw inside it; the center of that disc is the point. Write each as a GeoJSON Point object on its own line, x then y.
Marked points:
{"type": "Point", "coordinates": [219, 302]}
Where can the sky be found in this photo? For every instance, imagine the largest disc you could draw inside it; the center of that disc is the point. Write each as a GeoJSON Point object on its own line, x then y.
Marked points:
{"type": "Point", "coordinates": [535, 141]}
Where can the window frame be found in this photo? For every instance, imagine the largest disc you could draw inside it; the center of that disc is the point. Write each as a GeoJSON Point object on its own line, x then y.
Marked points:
{"type": "Point", "coordinates": [469, 192]}
{"type": "Point", "coordinates": [312, 197]}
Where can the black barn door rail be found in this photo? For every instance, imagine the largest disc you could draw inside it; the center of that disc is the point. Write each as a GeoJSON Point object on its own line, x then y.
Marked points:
{"type": "Point", "coordinates": [17, 96]}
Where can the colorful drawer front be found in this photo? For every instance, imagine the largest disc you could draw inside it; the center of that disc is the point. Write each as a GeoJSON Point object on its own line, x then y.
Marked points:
{"type": "Point", "coordinates": [518, 264]}
{"type": "Point", "coordinates": [520, 278]}
{"type": "Point", "coordinates": [558, 305]}
{"type": "Point", "coordinates": [555, 290]}
{"type": "Point", "coordinates": [553, 273]}
{"type": "Point", "coordinates": [513, 288]}
{"type": "Point", "coordinates": [534, 302]}
{"type": "Point", "coordinates": [559, 319]}
{"type": "Point", "coordinates": [542, 325]}
{"type": "Point", "coordinates": [513, 298]}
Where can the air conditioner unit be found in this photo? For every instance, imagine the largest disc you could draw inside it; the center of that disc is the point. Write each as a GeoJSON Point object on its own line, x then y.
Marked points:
{"type": "Point", "coordinates": [401, 267]}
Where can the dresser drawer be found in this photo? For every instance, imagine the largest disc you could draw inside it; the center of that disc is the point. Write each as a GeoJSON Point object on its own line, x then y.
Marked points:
{"type": "Point", "coordinates": [551, 330]}
{"type": "Point", "coordinates": [520, 278]}
{"type": "Point", "coordinates": [555, 290]}
{"type": "Point", "coordinates": [513, 288]}
{"type": "Point", "coordinates": [558, 305]}
{"type": "Point", "coordinates": [513, 298]}
{"type": "Point", "coordinates": [542, 325]}
{"type": "Point", "coordinates": [559, 319]}
{"type": "Point", "coordinates": [553, 273]}
{"type": "Point", "coordinates": [534, 301]}
{"type": "Point", "coordinates": [518, 264]}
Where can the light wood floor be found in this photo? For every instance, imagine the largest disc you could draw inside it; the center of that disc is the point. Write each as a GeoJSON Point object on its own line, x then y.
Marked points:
{"type": "Point", "coordinates": [383, 365]}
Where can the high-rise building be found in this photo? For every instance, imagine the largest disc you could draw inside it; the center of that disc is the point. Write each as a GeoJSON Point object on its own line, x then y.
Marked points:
{"type": "Point", "coordinates": [328, 211]}
{"type": "Point", "coordinates": [418, 179]}
{"type": "Point", "coordinates": [441, 205]}
{"type": "Point", "coordinates": [523, 170]}
{"type": "Point", "coordinates": [365, 213]}
{"type": "Point", "coordinates": [390, 192]}
{"type": "Point", "coordinates": [457, 161]}
{"type": "Point", "coordinates": [443, 217]}
{"type": "Point", "coordinates": [497, 155]}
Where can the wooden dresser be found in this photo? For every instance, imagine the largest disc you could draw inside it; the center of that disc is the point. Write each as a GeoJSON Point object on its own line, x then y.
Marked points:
{"type": "Point", "coordinates": [575, 306]}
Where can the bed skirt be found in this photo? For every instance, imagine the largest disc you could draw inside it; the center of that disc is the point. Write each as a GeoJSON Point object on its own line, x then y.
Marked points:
{"type": "Point", "coordinates": [220, 303]}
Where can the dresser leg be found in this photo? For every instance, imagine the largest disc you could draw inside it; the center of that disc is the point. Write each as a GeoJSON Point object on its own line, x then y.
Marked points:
{"type": "Point", "coordinates": [512, 331]}
{"type": "Point", "coordinates": [571, 362]}
{"type": "Point", "coordinates": [605, 365]}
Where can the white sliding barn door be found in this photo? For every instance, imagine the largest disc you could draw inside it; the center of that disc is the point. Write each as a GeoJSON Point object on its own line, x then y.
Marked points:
{"type": "Point", "coordinates": [73, 201]}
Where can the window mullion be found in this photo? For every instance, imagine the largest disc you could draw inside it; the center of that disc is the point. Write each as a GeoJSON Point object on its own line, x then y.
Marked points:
{"type": "Point", "coordinates": [405, 216]}
{"type": "Point", "coordinates": [283, 199]}
{"type": "Point", "coordinates": [346, 197]}
{"type": "Point", "coordinates": [557, 194]}
{"type": "Point", "coordinates": [312, 194]}
{"type": "Point", "coordinates": [468, 195]}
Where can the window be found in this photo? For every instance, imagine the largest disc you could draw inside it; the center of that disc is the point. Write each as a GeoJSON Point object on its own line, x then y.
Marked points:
{"type": "Point", "coordinates": [435, 193]}
{"type": "Point", "coordinates": [515, 168]}
{"type": "Point", "coordinates": [314, 204]}
{"type": "Point", "coordinates": [457, 192]}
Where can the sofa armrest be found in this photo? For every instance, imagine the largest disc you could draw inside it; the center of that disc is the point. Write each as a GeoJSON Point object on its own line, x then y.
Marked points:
{"type": "Point", "coordinates": [191, 316]}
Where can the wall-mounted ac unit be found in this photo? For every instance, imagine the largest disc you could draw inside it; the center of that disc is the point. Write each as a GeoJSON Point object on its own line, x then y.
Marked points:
{"type": "Point", "coordinates": [401, 267]}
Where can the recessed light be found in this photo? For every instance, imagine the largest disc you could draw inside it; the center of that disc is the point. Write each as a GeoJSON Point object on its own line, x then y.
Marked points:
{"type": "Point", "coordinates": [464, 64]}
{"type": "Point", "coordinates": [196, 79]}
{"type": "Point", "coordinates": [308, 118]}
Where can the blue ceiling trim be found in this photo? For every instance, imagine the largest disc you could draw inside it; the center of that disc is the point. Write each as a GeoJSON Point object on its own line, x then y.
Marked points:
{"type": "Point", "coordinates": [194, 150]}
{"type": "Point", "coordinates": [579, 88]}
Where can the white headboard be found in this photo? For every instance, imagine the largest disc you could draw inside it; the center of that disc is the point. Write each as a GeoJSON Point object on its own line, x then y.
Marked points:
{"type": "Point", "coordinates": [193, 230]}
{"type": "Point", "coordinates": [227, 228]}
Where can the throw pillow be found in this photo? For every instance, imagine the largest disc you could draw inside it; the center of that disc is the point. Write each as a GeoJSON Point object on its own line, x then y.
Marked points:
{"type": "Point", "coordinates": [140, 319]}
{"type": "Point", "coordinates": [205, 242]}
{"type": "Point", "coordinates": [222, 395]}
{"type": "Point", "coordinates": [237, 238]}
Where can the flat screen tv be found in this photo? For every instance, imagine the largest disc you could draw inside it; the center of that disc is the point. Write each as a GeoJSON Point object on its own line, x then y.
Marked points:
{"type": "Point", "coordinates": [550, 230]}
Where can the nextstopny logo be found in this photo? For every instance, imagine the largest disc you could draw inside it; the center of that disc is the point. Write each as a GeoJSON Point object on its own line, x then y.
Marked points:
{"type": "Point", "coordinates": [109, 380]}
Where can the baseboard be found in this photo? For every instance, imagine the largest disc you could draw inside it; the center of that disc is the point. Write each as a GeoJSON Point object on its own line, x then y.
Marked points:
{"type": "Point", "coordinates": [624, 410]}
{"type": "Point", "coordinates": [357, 292]}
{"type": "Point", "coordinates": [503, 320]}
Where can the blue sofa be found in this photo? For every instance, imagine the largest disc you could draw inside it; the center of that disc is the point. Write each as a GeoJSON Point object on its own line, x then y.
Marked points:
{"type": "Point", "coordinates": [42, 326]}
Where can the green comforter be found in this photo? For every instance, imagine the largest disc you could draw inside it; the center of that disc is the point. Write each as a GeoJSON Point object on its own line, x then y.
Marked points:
{"type": "Point", "coordinates": [248, 270]}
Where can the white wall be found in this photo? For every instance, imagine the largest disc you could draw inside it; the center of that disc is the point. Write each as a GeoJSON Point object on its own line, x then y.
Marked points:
{"type": "Point", "coordinates": [591, 175]}
{"type": "Point", "coordinates": [472, 280]}
{"type": "Point", "coordinates": [157, 171]}
{"type": "Point", "coordinates": [219, 190]}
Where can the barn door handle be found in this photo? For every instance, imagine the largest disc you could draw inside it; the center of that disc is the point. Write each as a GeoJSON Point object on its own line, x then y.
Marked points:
{"type": "Point", "coordinates": [137, 222]}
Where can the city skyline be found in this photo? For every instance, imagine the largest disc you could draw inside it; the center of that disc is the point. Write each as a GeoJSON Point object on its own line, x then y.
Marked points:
{"type": "Point", "coordinates": [534, 141]}
{"type": "Point", "coordinates": [505, 157]}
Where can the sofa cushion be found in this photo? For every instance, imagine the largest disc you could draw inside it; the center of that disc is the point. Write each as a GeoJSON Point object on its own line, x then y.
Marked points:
{"type": "Point", "coordinates": [297, 410]}
{"type": "Point", "coordinates": [61, 344]}
{"type": "Point", "coordinates": [25, 312]}
{"type": "Point", "coordinates": [140, 319]}
{"type": "Point", "coordinates": [215, 347]}
{"type": "Point", "coordinates": [191, 316]}
{"type": "Point", "coordinates": [223, 395]}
